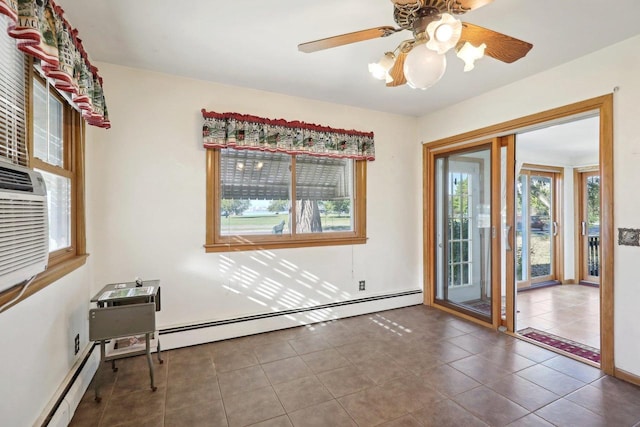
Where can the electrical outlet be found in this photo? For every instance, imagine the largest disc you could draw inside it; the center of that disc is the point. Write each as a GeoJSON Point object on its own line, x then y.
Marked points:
{"type": "Point", "coordinates": [361, 285]}
{"type": "Point", "coordinates": [77, 344]}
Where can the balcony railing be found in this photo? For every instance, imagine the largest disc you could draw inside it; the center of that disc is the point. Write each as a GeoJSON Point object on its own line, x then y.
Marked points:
{"type": "Point", "coordinates": [593, 256]}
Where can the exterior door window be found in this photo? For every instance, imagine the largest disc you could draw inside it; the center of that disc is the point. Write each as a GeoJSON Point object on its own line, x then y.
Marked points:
{"type": "Point", "coordinates": [464, 232]}
{"type": "Point", "coordinates": [590, 227]}
{"type": "Point", "coordinates": [536, 227]}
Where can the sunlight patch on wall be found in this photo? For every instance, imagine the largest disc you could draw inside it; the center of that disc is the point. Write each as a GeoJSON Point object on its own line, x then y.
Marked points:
{"type": "Point", "coordinates": [309, 276]}
{"type": "Point", "coordinates": [229, 288]}
{"type": "Point", "coordinates": [306, 285]}
{"type": "Point", "coordinates": [257, 301]}
{"type": "Point", "coordinates": [267, 254]}
{"type": "Point", "coordinates": [282, 272]}
{"type": "Point", "coordinates": [289, 265]}
{"type": "Point", "coordinates": [328, 286]}
{"type": "Point", "coordinates": [259, 261]}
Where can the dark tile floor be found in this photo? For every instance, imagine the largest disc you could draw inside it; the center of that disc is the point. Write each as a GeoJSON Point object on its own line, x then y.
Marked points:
{"type": "Point", "coordinates": [414, 366]}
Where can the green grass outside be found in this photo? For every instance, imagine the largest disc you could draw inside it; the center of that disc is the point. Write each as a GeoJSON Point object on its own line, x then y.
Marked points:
{"type": "Point", "coordinates": [266, 222]}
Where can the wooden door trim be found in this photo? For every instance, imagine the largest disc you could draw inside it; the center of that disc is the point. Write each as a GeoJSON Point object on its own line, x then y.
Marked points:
{"type": "Point", "coordinates": [603, 105]}
{"type": "Point", "coordinates": [496, 235]}
{"type": "Point", "coordinates": [509, 141]}
{"type": "Point", "coordinates": [429, 205]}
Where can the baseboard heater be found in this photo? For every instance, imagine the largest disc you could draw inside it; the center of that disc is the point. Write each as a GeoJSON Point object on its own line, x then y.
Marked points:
{"type": "Point", "coordinates": [284, 312]}
{"type": "Point", "coordinates": [227, 322]}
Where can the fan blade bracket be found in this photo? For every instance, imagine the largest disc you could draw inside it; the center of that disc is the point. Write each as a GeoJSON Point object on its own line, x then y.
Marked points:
{"type": "Point", "coordinates": [344, 39]}
{"type": "Point", "coordinates": [499, 46]}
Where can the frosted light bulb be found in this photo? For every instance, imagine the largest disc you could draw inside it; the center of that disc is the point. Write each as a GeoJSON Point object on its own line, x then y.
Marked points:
{"type": "Point", "coordinates": [423, 67]}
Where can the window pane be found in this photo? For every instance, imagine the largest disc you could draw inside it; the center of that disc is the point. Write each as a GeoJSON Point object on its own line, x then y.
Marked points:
{"type": "Point", "coordinates": [40, 120]}
{"type": "Point", "coordinates": [13, 99]}
{"type": "Point", "coordinates": [324, 194]}
{"type": "Point", "coordinates": [47, 126]}
{"type": "Point", "coordinates": [255, 189]}
{"type": "Point", "coordinates": [55, 132]}
{"type": "Point", "coordinates": [59, 206]}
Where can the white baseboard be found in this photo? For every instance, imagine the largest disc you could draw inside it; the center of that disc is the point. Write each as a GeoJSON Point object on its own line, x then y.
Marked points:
{"type": "Point", "coordinates": [201, 334]}
{"type": "Point", "coordinates": [59, 411]}
{"type": "Point", "coordinates": [67, 399]}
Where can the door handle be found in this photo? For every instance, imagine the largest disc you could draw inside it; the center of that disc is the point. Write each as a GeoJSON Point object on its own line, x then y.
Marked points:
{"type": "Point", "coordinates": [555, 228]}
{"type": "Point", "coordinates": [507, 232]}
{"type": "Point", "coordinates": [584, 228]}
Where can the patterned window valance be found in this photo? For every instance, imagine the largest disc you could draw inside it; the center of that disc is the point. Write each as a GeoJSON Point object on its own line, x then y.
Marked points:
{"type": "Point", "coordinates": [240, 131]}
{"type": "Point", "coordinates": [41, 31]}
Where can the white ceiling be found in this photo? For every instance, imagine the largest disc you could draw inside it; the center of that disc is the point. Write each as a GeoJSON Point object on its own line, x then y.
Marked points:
{"type": "Point", "coordinates": [566, 143]}
{"type": "Point", "coordinates": [253, 44]}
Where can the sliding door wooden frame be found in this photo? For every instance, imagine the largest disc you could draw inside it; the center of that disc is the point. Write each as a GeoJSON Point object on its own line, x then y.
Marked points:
{"type": "Point", "coordinates": [429, 158]}
{"type": "Point", "coordinates": [509, 142]}
{"type": "Point", "coordinates": [603, 106]}
{"type": "Point", "coordinates": [579, 214]}
{"type": "Point", "coordinates": [556, 175]}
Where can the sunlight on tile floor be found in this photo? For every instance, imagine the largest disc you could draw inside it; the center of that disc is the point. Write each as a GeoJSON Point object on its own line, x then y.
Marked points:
{"type": "Point", "coordinates": [414, 366]}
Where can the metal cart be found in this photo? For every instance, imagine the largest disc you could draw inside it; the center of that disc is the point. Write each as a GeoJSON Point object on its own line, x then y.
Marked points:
{"type": "Point", "coordinates": [125, 310]}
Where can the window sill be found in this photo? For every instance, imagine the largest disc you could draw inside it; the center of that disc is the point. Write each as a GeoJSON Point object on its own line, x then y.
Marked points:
{"type": "Point", "coordinates": [298, 243]}
{"type": "Point", "coordinates": [44, 279]}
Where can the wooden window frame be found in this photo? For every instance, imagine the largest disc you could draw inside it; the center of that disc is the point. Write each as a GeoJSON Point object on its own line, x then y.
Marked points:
{"type": "Point", "coordinates": [65, 260]}
{"type": "Point", "coordinates": [215, 242]}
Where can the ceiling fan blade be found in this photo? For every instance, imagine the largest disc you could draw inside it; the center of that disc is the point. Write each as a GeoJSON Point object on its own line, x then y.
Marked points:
{"type": "Point", "coordinates": [397, 71]}
{"type": "Point", "coordinates": [358, 36]}
{"type": "Point", "coordinates": [499, 46]}
{"type": "Point", "coordinates": [472, 4]}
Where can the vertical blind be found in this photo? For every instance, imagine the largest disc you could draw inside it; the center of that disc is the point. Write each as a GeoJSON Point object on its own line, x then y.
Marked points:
{"type": "Point", "coordinates": [13, 102]}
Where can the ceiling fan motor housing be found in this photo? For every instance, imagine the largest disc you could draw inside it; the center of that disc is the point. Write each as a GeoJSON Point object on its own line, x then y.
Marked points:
{"type": "Point", "coordinates": [416, 16]}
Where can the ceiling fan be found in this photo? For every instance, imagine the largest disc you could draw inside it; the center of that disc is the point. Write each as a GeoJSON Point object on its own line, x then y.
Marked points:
{"type": "Point", "coordinates": [420, 61]}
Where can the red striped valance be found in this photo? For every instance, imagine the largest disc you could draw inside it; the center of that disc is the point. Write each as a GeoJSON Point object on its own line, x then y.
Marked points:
{"type": "Point", "coordinates": [41, 31]}
{"type": "Point", "coordinates": [242, 131]}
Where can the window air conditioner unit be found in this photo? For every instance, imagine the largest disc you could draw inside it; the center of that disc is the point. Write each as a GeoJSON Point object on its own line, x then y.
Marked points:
{"type": "Point", "coordinates": [24, 228]}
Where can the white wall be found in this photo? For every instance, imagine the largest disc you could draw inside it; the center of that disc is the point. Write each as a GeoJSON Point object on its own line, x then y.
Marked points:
{"type": "Point", "coordinates": [146, 211]}
{"type": "Point", "coordinates": [593, 75]}
{"type": "Point", "coordinates": [37, 346]}
{"type": "Point", "coordinates": [147, 196]}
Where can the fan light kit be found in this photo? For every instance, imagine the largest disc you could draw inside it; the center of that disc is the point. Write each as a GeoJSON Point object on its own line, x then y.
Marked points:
{"type": "Point", "coordinates": [420, 62]}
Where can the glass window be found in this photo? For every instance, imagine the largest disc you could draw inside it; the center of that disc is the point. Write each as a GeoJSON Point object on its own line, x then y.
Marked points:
{"type": "Point", "coordinates": [13, 99]}
{"type": "Point", "coordinates": [252, 193]}
{"type": "Point", "coordinates": [39, 129]}
{"type": "Point", "coordinates": [324, 194]}
{"type": "Point", "coordinates": [49, 149]}
{"type": "Point", "coordinates": [48, 135]}
{"type": "Point", "coordinates": [59, 207]}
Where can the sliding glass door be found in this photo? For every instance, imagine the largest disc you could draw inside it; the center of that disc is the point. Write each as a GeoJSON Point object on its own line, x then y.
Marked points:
{"type": "Point", "coordinates": [463, 231]}
{"type": "Point", "coordinates": [536, 228]}
{"type": "Point", "coordinates": [590, 227]}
